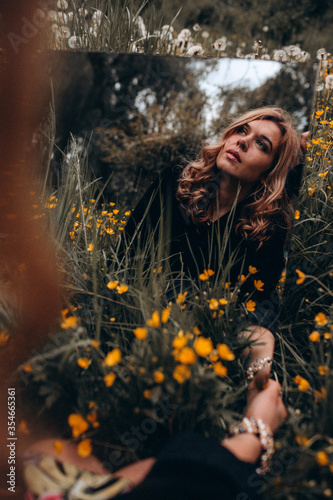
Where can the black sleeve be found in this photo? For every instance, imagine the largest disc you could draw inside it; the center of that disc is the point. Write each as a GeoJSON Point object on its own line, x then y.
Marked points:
{"type": "Point", "coordinates": [269, 261]}
{"type": "Point", "coordinates": [195, 468]}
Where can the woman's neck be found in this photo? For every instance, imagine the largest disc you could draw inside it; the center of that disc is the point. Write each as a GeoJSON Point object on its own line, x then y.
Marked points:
{"type": "Point", "coordinates": [230, 189]}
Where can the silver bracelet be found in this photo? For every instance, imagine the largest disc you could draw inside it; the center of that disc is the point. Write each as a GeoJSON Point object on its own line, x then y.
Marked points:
{"type": "Point", "coordinates": [256, 366]}
{"type": "Point", "coordinates": [265, 435]}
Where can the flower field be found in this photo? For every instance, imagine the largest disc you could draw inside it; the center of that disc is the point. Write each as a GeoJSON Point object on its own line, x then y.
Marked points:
{"type": "Point", "coordinates": [128, 366]}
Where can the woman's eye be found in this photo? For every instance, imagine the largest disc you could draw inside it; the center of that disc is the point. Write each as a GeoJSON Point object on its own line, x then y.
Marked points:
{"type": "Point", "coordinates": [242, 130]}
{"type": "Point", "coordinates": [262, 145]}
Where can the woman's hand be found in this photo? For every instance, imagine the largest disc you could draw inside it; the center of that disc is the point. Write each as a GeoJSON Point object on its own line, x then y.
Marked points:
{"type": "Point", "coordinates": [268, 406]}
{"type": "Point", "coordinates": [304, 140]}
{"type": "Point", "coordinates": [263, 347]}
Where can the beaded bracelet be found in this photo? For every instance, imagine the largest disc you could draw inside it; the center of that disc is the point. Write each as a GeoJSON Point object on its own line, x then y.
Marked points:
{"type": "Point", "coordinates": [265, 435]}
{"type": "Point", "coordinates": [255, 367]}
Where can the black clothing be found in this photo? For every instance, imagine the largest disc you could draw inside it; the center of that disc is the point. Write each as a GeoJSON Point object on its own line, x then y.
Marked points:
{"type": "Point", "coordinates": [191, 247]}
{"type": "Point", "coordinates": [193, 467]}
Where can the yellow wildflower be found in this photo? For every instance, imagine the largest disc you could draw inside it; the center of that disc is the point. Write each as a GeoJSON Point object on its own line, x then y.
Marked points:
{"type": "Point", "coordinates": [314, 337]}
{"type": "Point", "coordinates": [58, 446]}
{"type": "Point", "coordinates": [90, 247]}
{"type": "Point", "coordinates": [147, 393]}
{"type": "Point", "coordinates": [303, 384]}
{"type": "Point", "coordinates": [320, 394]}
{"type": "Point", "coordinates": [109, 230]}
{"type": "Point", "coordinates": [141, 332]}
{"type": "Point", "coordinates": [181, 298]}
{"type": "Point", "coordinates": [115, 211]}
{"type": "Point", "coordinates": [242, 278]}
{"type": "Point", "coordinates": [159, 377]}
{"type": "Point", "coordinates": [181, 373]}
{"type": "Point", "coordinates": [122, 288]}
{"type": "Point", "coordinates": [27, 368]}
{"type": "Point", "coordinates": [213, 304]}
{"type": "Point", "coordinates": [180, 341]}
{"type": "Point", "coordinates": [302, 440]}
{"type": "Point", "coordinates": [113, 357]}
{"type": "Point", "coordinates": [250, 305]}
{"type": "Point", "coordinates": [214, 356]}
{"type": "Point", "coordinates": [128, 213]}
{"type": "Point", "coordinates": [69, 323]}
{"type": "Point", "coordinates": [321, 319]}
{"type": "Point", "coordinates": [206, 274]}
{"type": "Point", "coordinates": [322, 458]}
{"type": "Point", "coordinates": [252, 270]}
{"type": "Point", "coordinates": [112, 320]}
{"type": "Point", "coordinates": [84, 362]}
{"type": "Point", "coordinates": [203, 346]}
{"type": "Point", "coordinates": [327, 335]}
{"type": "Point", "coordinates": [95, 343]}
{"type": "Point", "coordinates": [154, 320]}
{"type": "Point", "coordinates": [259, 285]}
{"type": "Point", "coordinates": [225, 353]}
{"type": "Point", "coordinates": [196, 330]}
{"type": "Point", "coordinates": [165, 314]}
{"type": "Point", "coordinates": [297, 214]}
{"type": "Point", "coordinates": [3, 338]}
{"type": "Point", "coordinates": [109, 379]}
{"type": "Point", "coordinates": [78, 424]}
{"type": "Point", "coordinates": [283, 277]}
{"type": "Point", "coordinates": [220, 369]}
{"type": "Point", "coordinates": [323, 370]}
{"type": "Point", "coordinates": [158, 270]}
{"type": "Point", "coordinates": [186, 356]}
{"type": "Point", "coordinates": [112, 284]}
{"type": "Point", "coordinates": [84, 448]}
{"type": "Point", "coordinates": [223, 302]}
{"type": "Point", "coordinates": [301, 277]}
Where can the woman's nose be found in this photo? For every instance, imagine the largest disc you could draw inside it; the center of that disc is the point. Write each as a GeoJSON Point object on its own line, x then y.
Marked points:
{"type": "Point", "coordinates": [243, 144]}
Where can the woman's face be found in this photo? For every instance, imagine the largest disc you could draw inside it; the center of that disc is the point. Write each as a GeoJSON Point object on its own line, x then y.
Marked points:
{"type": "Point", "coordinates": [249, 152]}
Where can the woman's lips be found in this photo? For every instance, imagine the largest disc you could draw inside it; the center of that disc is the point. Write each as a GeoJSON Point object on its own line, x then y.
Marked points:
{"type": "Point", "coordinates": [233, 155]}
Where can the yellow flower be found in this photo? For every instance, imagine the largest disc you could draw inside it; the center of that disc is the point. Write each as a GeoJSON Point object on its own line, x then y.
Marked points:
{"type": "Point", "coordinates": [302, 440]}
{"type": "Point", "coordinates": [214, 357]}
{"type": "Point", "coordinates": [203, 346]}
{"type": "Point", "coordinates": [112, 284]}
{"type": "Point", "coordinates": [165, 314]}
{"type": "Point", "coordinates": [3, 338]}
{"type": "Point", "coordinates": [113, 357]}
{"type": "Point", "coordinates": [154, 320]}
{"type": "Point", "coordinates": [159, 377]}
{"type": "Point", "coordinates": [158, 270]}
{"type": "Point", "coordinates": [187, 356]}
{"type": "Point", "coordinates": [322, 458]}
{"type": "Point", "coordinates": [109, 230]}
{"type": "Point", "coordinates": [128, 213]}
{"type": "Point", "coordinates": [225, 353]}
{"type": "Point", "coordinates": [90, 247]}
{"type": "Point", "coordinates": [122, 288]}
{"type": "Point", "coordinates": [196, 330]}
{"type": "Point", "coordinates": [147, 393]}
{"type": "Point", "coordinates": [181, 373]}
{"type": "Point", "coordinates": [92, 417]}
{"type": "Point", "coordinates": [84, 448]}
{"type": "Point", "coordinates": [323, 370]}
{"type": "Point", "coordinates": [23, 427]}
{"type": "Point", "coordinates": [242, 278]}
{"type": "Point", "coordinates": [213, 304]}
{"type": "Point", "coordinates": [321, 319]}
{"type": "Point", "coordinates": [297, 214]}
{"type": "Point", "coordinates": [84, 362]}
{"type": "Point", "coordinates": [303, 384]}
{"type": "Point", "coordinates": [95, 343]}
{"type": "Point", "coordinates": [141, 332]}
{"type": "Point", "coordinates": [78, 424]}
{"type": "Point", "coordinates": [181, 298]}
{"type": "Point", "coordinates": [301, 277]}
{"type": "Point", "coordinates": [320, 394]}
{"type": "Point", "coordinates": [250, 305]}
{"type": "Point", "coordinates": [69, 323]}
{"type": "Point", "coordinates": [252, 270]}
{"type": "Point", "coordinates": [58, 446]}
{"type": "Point", "coordinates": [259, 285]}
{"type": "Point", "coordinates": [314, 337]}
{"type": "Point", "coordinates": [283, 277]}
{"type": "Point", "coordinates": [27, 368]}
{"type": "Point", "coordinates": [109, 379]}
{"type": "Point", "coordinates": [180, 341]}
{"type": "Point", "coordinates": [220, 369]}
{"type": "Point", "coordinates": [223, 302]}
{"type": "Point", "coordinates": [206, 274]}
{"type": "Point", "coordinates": [327, 335]}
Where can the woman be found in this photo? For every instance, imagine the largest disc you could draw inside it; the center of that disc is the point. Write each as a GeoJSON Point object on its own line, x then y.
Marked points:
{"type": "Point", "coordinates": [229, 212]}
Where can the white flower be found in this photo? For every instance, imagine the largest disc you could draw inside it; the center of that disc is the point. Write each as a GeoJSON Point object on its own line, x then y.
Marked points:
{"type": "Point", "coordinates": [65, 31]}
{"type": "Point", "coordinates": [305, 56]}
{"type": "Point", "coordinates": [220, 44]}
{"type": "Point", "coordinates": [280, 55]}
{"type": "Point", "coordinates": [185, 33]}
{"type": "Point", "coordinates": [52, 15]}
{"type": "Point", "coordinates": [239, 52]}
{"type": "Point", "coordinates": [97, 16]}
{"type": "Point", "coordinates": [166, 29]}
{"type": "Point", "coordinates": [70, 16]}
{"type": "Point", "coordinates": [329, 82]}
{"type": "Point", "coordinates": [293, 50]}
{"type": "Point", "coordinates": [62, 4]}
{"type": "Point", "coordinates": [196, 27]}
{"type": "Point", "coordinates": [74, 42]}
{"type": "Point", "coordinates": [141, 27]}
{"type": "Point", "coordinates": [62, 18]}
{"type": "Point", "coordinates": [205, 34]}
{"type": "Point", "coordinates": [55, 28]}
{"type": "Point", "coordinates": [249, 56]}
{"type": "Point", "coordinates": [265, 57]}
{"type": "Point", "coordinates": [83, 12]}
{"type": "Point", "coordinates": [321, 54]}
{"type": "Point", "coordinates": [195, 50]}
{"type": "Point", "coordinates": [265, 28]}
